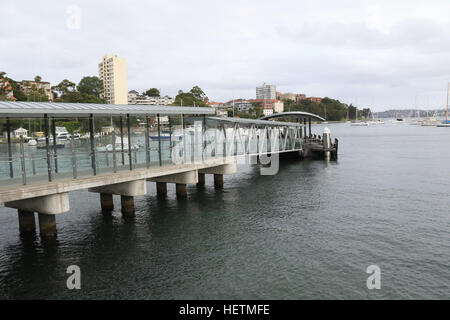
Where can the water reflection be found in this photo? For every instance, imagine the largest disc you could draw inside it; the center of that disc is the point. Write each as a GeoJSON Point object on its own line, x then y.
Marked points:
{"type": "Point", "coordinates": [308, 232]}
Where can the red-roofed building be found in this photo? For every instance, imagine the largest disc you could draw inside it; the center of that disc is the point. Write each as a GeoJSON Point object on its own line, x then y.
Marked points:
{"type": "Point", "coordinates": [299, 97]}
{"type": "Point", "coordinates": [315, 99]}
{"type": "Point", "coordinates": [215, 104]}
{"type": "Point", "coordinates": [274, 104]}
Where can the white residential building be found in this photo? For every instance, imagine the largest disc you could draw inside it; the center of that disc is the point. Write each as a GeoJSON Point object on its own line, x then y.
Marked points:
{"type": "Point", "coordinates": [134, 98]}
{"type": "Point", "coordinates": [29, 85]}
{"type": "Point", "coordinates": [278, 106]}
{"type": "Point", "coordinates": [113, 71]}
{"type": "Point", "coordinates": [267, 111]}
{"type": "Point", "coordinates": [266, 91]}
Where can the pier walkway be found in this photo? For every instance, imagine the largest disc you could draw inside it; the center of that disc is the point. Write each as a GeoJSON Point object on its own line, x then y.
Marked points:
{"type": "Point", "coordinates": [119, 148]}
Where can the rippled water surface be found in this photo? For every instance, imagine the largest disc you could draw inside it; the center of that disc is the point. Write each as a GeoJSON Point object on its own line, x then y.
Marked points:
{"type": "Point", "coordinates": [308, 232]}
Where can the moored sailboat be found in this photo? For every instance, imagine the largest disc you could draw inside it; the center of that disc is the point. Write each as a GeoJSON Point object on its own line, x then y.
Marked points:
{"type": "Point", "coordinates": [446, 122]}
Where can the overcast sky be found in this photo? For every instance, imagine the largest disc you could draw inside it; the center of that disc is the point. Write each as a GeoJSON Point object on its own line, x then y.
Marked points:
{"type": "Point", "coordinates": [383, 54]}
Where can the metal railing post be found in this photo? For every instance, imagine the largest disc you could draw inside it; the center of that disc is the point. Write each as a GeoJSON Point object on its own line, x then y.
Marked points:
{"type": "Point", "coordinates": [304, 127]}
{"type": "Point", "coordinates": [22, 161]}
{"type": "Point", "coordinates": [54, 144]}
{"type": "Point", "coordinates": [130, 160]}
{"type": "Point", "coordinates": [170, 139]}
{"type": "Point", "coordinates": [236, 134]}
{"type": "Point", "coordinates": [159, 141]}
{"type": "Point", "coordinates": [224, 141]}
{"type": "Point", "coordinates": [8, 133]}
{"type": "Point", "coordinates": [216, 143]}
{"type": "Point", "coordinates": [47, 133]}
{"type": "Point", "coordinates": [92, 137]}
{"type": "Point", "coordinates": [147, 142]}
{"type": "Point", "coordinates": [114, 151]}
{"type": "Point", "coordinates": [121, 141]}
{"type": "Point", "coordinates": [310, 132]}
{"type": "Point", "coordinates": [74, 158]}
{"type": "Point", "coordinates": [257, 140]}
{"type": "Point", "coordinates": [184, 138]}
{"type": "Point", "coordinates": [204, 138]}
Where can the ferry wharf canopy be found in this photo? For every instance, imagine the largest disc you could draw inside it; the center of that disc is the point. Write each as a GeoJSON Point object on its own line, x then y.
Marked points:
{"type": "Point", "coordinates": [114, 149]}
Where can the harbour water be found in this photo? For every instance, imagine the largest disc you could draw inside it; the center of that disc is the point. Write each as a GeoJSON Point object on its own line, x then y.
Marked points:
{"type": "Point", "coordinates": [308, 232]}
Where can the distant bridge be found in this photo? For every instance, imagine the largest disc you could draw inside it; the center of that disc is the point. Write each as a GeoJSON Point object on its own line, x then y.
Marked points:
{"type": "Point", "coordinates": [124, 147]}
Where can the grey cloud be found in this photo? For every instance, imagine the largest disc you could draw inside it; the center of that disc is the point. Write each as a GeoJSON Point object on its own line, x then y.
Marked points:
{"type": "Point", "coordinates": [228, 48]}
{"type": "Point", "coordinates": [424, 35]}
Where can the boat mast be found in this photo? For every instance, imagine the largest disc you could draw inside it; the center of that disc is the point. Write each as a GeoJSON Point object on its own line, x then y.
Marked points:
{"type": "Point", "coordinates": [446, 112]}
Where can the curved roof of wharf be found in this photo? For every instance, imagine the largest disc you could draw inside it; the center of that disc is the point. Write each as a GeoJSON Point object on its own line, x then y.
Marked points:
{"type": "Point", "coordinates": [24, 109]}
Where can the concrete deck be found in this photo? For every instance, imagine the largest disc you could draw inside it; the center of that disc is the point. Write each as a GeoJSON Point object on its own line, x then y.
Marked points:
{"type": "Point", "coordinates": [22, 192]}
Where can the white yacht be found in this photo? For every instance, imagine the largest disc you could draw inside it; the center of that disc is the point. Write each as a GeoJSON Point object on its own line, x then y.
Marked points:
{"type": "Point", "coordinates": [359, 124]}
{"type": "Point", "coordinates": [63, 136]}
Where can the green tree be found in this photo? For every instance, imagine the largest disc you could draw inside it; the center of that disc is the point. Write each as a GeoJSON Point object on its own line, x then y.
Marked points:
{"type": "Point", "coordinates": [90, 86]}
{"type": "Point", "coordinates": [195, 97]}
{"type": "Point", "coordinates": [335, 110]}
{"type": "Point", "coordinates": [88, 90]}
{"type": "Point", "coordinates": [153, 92]}
{"type": "Point", "coordinates": [198, 94]}
{"type": "Point", "coordinates": [70, 96]}
{"type": "Point", "coordinates": [64, 87]}
{"type": "Point", "coordinates": [16, 88]}
{"type": "Point", "coordinates": [90, 98]}
{"type": "Point", "coordinates": [37, 94]}
{"type": "Point", "coordinates": [257, 109]}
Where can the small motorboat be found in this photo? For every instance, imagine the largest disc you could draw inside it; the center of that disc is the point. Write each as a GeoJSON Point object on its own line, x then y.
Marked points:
{"type": "Point", "coordinates": [359, 124]}
{"type": "Point", "coordinates": [371, 122]}
{"type": "Point", "coordinates": [444, 124]}
{"type": "Point", "coordinates": [63, 136]}
{"type": "Point", "coordinates": [398, 120]}
{"type": "Point", "coordinates": [32, 143]}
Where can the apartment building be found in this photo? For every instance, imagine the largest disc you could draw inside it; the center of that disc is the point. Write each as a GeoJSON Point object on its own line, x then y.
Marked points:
{"type": "Point", "coordinates": [29, 85]}
{"type": "Point", "coordinates": [134, 98]}
{"type": "Point", "coordinates": [266, 91]}
{"type": "Point", "coordinates": [113, 71]}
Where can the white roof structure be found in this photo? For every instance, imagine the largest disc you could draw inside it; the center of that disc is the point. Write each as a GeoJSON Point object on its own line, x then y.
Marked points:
{"type": "Point", "coordinates": [34, 109]}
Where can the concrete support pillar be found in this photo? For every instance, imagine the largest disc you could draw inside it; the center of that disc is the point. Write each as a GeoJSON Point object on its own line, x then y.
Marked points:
{"type": "Point", "coordinates": [161, 189]}
{"type": "Point", "coordinates": [181, 190]}
{"type": "Point", "coordinates": [26, 221]}
{"type": "Point", "coordinates": [127, 206]}
{"type": "Point", "coordinates": [47, 225]}
{"type": "Point", "coordinates": [107, 203]}
{"type": "Point", "coordinates": [201, 179]}
{"type": "Point", "coordinates": [218, 181]}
